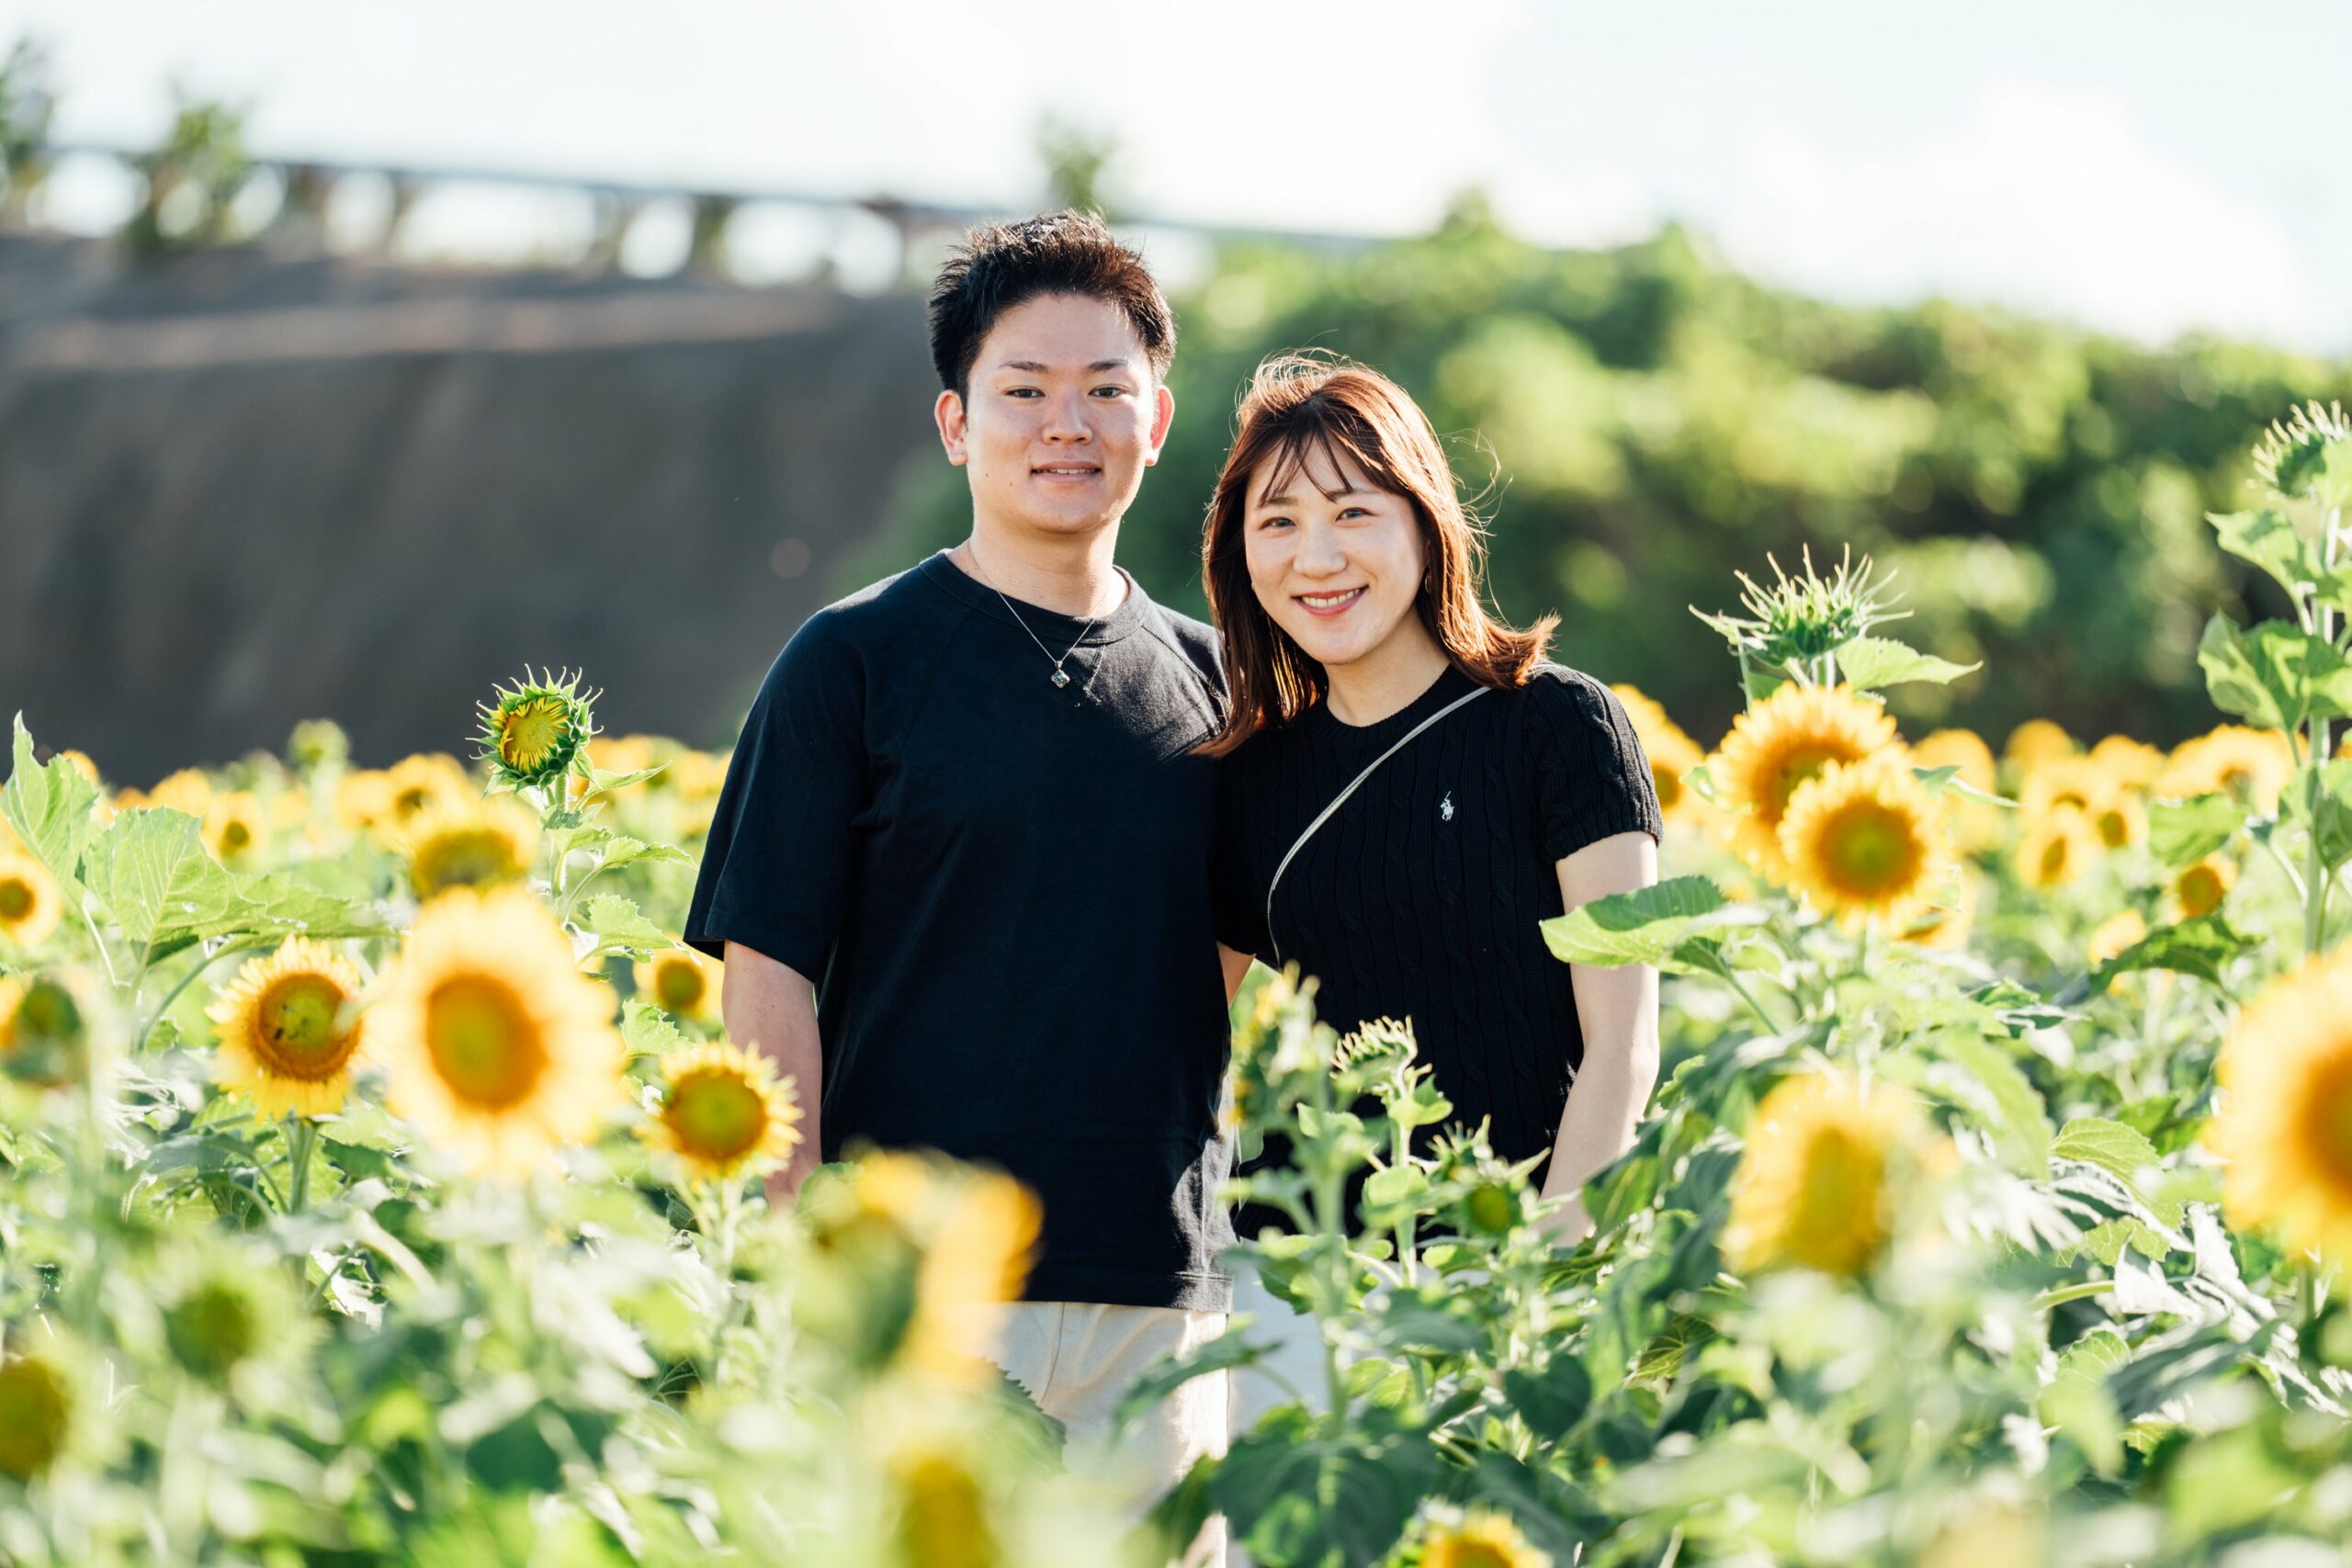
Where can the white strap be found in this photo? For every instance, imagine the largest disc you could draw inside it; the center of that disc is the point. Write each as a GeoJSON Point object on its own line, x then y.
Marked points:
{"type": "Point", "coordinates": [1342, 799]}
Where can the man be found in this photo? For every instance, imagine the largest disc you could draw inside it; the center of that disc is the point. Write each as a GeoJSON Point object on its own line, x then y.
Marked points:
{"type": "Point", "coordinates": [959, 872]}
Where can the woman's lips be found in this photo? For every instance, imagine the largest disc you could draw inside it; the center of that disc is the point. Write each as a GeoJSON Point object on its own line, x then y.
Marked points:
{"type": "Point", "coordinates": [1326, 605]}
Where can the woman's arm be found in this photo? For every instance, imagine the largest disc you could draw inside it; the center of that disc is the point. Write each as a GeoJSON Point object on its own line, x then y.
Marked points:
{"type": "Point", "coordinates": [1618, 1011]}
{"type": "Point", "coordinates": [771, 1008]}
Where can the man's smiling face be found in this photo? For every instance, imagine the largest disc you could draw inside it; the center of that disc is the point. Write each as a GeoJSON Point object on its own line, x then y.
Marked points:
{"type": "Point", "coordinates": [1063, 416]}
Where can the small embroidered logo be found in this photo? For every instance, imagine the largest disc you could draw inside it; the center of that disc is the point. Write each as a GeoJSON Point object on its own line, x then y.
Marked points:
{"type": "Point", "coordinates": [1445, 808]}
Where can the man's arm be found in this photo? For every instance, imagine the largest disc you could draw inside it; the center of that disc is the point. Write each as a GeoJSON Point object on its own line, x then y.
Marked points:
{"type": "Point", "coordinates": [771, 1008]}
{"type": "Point", "coordinates": [1617, 1008]}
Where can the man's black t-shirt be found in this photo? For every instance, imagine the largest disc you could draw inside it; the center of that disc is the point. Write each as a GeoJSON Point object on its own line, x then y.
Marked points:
{"type": "Point", "coordinates": [1424, 895]}
{"type": "Point", "coordinates": [1001, 892]}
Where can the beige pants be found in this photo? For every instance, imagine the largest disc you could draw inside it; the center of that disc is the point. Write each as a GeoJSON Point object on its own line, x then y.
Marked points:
{"type": "Point", "coordinates": [1078, 1361]}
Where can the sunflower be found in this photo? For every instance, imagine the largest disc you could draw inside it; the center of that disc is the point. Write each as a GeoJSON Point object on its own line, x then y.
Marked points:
{"type": "Point", "coordinates": [531, 734]}
{"type": "Point", "coordinates": [228, 1318]}
{"type": "Point", "coordinates": [2075, 783]}
{"type": "Point", "coordinates": [2114, 934]}
{"type": "Point", "coordinates": [942, 1513]}
{"type": "Point", "coordinates": [499, 1048]}
{"type": "Point", "coordinates": [35, 1415]}
{"type": "Point", "coordinates": [1945, 923]}
{"type": "Point", "coordinates": [2036, 741]}
{"type": "Point", "coordinates": [679, 980]}
{"type": "Point", "coordinates": [416, 785]}
{"type": "Point", "coordinates": [2133, 764]}
{"type": "Point", "coordinates": [2293, 456]}
{"type": "Point", "coordinates": [472, 843]}
{"type": "Point", "coordinates": [2055, 850]}
{"type": "Point", "coordinates": [723, 1113]}
{"type": "Point", "coordinates": [2120, 820]}
{"type": "Point", "coordinates": [698, 776]}
{"type": "Point", "coordinates": [1812, 1186]}
{"type": "Point", "coordinates": [2199, 887]}
{"type": "Point", "coordinates": [289, 1027]}
{"type": "Point", "coordinates": [1672, 753]}
{"type": "Point", "coordinates": [1974, 825]}
{"type": "Point", "coordinates": [1481, 1539]}
{"type": "Point", "coordinates": [2285, 1124]}
{"type": "Point", "coordinates": [187, 790]}
{"type": "Point", "coordinates": [1864, 839]}
{"type": "Point", "coordinates": [43, 1030]}
{"type": "Point", "coordinates": [970, 1232]}
{"type": "Point", "coordinates": [1781, 743]}
{"type": "Point", "coordinates": [235, 826]}
{"type": "Point", "coordinates": [2248, 765]}
{"type": "Point", "coordinates": [31, 904]}
{"type": "Point", "coordinates": [362, 799]}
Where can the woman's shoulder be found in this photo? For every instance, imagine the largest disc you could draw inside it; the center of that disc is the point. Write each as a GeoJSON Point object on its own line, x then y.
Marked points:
{"type": "Point", "coordinates": [1561, 694]}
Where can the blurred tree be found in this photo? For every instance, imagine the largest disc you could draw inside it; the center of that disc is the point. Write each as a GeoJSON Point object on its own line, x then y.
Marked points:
{"type": "Point", "coordinates": [27, 104]}
{"type": "Point", "coordinates": [191, 180]}
{"type": "Point", "coordinates": [1076, 160]}
{"type": "Point", "coordinates": [1649, 419]}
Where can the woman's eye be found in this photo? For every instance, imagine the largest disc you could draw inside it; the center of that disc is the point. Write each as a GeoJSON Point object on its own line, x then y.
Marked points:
{"type": "Point", "coordinates": [1271, 523]}
{"type": "Point", "coordinates": [1353, 512]}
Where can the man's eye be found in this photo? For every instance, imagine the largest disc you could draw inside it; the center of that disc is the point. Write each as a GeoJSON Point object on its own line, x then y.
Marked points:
{"type": "Point", "coordinates": [1110, 392]}
{"type": "Point", "coordinates": [1023, 392]}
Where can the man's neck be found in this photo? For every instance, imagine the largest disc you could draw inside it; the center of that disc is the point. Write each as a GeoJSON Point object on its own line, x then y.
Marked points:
{"type": "Point", "coordinates": [1071, 575]}
{"type": "Point", "coordinates": [1386, 679]}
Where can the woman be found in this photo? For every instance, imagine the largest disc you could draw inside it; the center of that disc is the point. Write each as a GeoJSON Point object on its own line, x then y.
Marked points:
{"type": "Point", "coordinates": [1407, 789]}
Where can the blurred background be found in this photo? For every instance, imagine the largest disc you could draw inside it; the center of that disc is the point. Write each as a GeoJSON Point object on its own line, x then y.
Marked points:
{"type": "Point", "coordinates": [352, 356]}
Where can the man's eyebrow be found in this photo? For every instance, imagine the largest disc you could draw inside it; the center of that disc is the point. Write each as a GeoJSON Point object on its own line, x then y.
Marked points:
{"type": "Point", "coordinates": [1035, 368]}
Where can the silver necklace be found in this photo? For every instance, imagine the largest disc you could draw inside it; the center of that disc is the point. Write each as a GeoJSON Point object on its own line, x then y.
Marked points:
{"type": "Point", "coordinates": [1060, 676]}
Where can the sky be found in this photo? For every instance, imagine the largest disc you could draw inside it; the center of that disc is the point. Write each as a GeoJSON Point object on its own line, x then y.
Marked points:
{"type": "Point", "coordinates": [2149, 168]}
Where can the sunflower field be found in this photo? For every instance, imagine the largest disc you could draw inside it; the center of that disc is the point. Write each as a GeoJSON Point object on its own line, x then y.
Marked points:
{"type": "Point", "coordinates": [377, 1185]}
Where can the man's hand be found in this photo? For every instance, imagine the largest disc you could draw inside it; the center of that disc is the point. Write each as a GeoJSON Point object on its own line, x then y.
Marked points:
{"type": "Point", "coordinates": [771, 1008]}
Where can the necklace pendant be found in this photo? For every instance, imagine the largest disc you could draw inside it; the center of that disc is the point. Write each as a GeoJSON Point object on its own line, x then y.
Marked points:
{"type": "Point", "coordinates": [1061, 677]}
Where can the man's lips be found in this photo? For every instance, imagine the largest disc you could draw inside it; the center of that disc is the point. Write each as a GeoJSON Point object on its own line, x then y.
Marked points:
{"type": "Point", "coordinates": [1325, 605]}
{"type": "Point", "coordinates": [1066, 473]}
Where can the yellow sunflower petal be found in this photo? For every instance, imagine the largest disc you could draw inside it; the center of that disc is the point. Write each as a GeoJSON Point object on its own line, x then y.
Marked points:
{"type": "Point", "coordinates": [498, 1048]}
{"type": "Point", "coordinates": [2285, 1123]}
{"type": "Point", "coordinates": [1777, 745]}
{"type": "Point", "coordinates": [1866, 838]}
{"type": "Point", "coordinates": [288, 1029]}
{"type": "Point", "coordinates": [1812, 1189]}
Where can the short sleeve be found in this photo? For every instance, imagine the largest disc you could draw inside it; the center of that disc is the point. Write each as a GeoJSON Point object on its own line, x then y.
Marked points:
{"type": "Point", "coordinates": [776, 863]}
{"type": "Point", "coordinates": [1592, 778]}
{"type": "Point", "coordinates": [1238, 899]}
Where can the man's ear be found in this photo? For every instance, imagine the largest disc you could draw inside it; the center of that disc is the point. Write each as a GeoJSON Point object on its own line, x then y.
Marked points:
{"type": "Point", "coordinates": [1163, 416]}
{"type": "Point", "coordinates": [948, 414]}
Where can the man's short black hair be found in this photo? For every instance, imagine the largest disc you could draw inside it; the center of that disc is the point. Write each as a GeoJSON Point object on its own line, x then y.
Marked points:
{"type": "Point", "coordinates": [1000, 266]}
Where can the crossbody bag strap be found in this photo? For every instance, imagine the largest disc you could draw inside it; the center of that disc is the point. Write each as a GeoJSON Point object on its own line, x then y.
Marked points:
{"type": "Point", "coordinates": [1342, 799]}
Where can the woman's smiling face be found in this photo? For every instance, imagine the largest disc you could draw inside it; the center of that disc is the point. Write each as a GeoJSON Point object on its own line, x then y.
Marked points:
{"type": "Point", "coordinates": [1334, 560]}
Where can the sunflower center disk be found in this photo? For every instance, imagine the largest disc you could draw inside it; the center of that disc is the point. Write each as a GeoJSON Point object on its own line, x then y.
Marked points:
{"type": "Point", "coordinates": [1836, 1224]}
{"type": "Point", "coordinates": [2200, 892]}
{"type": "Point", "coordinates": [16, 899]}
{"type": "Point", "coordinates": [1870, 850]}
{"type": "Point", "coordinates": [2327, 1120]}
{"type": "Point", "coordinates": [294, 1032]}
{"type": "Point", "coordinates": [212, 1330]}
{"type": "Point", "coordinates": [717, 1117]}
{"type": "Point", "coordinates": [32, 1418]}
{"type": "Point", "coordinates": [1802, 763]}
{"type": "Point", "coordinates": [483, 1043]}
{"type": "Point", "coordinates": [1668, 786]}
{"type": "Point", "coordinates": [532, 733]}
{"type": "Point", "coordinates": [680, 986]}
{"type": "Point", "coordinates": [465, 859]}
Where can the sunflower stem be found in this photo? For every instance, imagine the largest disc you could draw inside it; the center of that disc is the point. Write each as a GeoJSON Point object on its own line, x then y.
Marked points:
{"type": "Point", "coordinates": [2316, 880]}
{"type": "Point", "coordinates": [304, 1139]}
{"type": "Point", "coordinates": [204, 962]}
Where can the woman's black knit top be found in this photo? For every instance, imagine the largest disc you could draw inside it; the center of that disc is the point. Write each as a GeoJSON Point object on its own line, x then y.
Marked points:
{"type": "Point", "coordinates": [1421, 896]}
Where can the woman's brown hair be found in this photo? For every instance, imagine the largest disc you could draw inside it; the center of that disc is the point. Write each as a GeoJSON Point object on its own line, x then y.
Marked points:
{"type": "Point", "coordinates": [1302, 405]}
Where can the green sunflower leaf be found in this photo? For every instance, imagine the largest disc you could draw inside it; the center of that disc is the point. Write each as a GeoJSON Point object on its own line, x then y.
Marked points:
{"type": "Point", "coordinates": [1988, 1085]}
{"type": "Point", "coordinates": [625, 851]}
{"type": "Point", "coordinates": [2182, 832]}
{"type": "Point", "coordinates": [1869, 663]}
{"type": "Point", "coordinates": [2275, 676]}
{"type": "Point", "coordinates": [150, 870]}
{"type": "Point", "coordinates": [619, 926]}
{"type": "Point", "coordinates": [49, 805]}
{"type": "Point", "coordinates": [1646, 926]}
{"type": "Point", "coordinates": [2201, 947]}
{"type": "Point", "coordinates": [2273, 543]}
{"type": "Point", "coordinates": [2110, 1146]}
{"type": "Point", "coordinates": [281, 905]}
